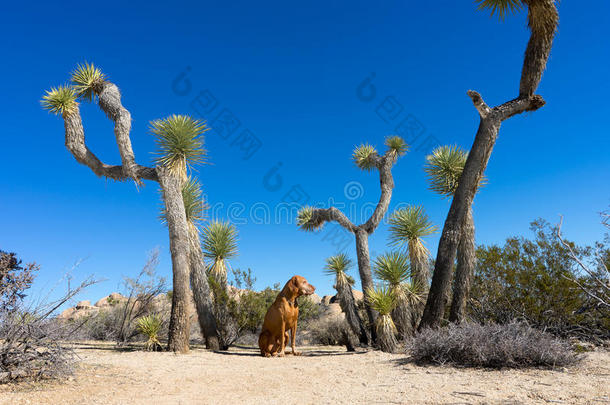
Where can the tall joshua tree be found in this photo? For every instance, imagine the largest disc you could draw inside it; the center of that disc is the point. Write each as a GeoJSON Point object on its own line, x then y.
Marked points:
{"type": "Point", "coordinates": [444, 167]}
{"type": "Point", "coordinates": [366, 158]}
{"type": "Point", "coordinates": [393, 268]}
{"type": "Point", "coordinates": [219, 243]}
{"type": "Point", "coordinates": [337, 266]}
{"type": "Point", "coordinates": [542, 19]}
{"type": "Point", "coordinates": [194, 207]}
{"type": "Point", "coordinates": [88, 83]}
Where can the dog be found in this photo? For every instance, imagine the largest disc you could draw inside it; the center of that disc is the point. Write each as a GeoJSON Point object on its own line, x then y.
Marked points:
{"type": "Point", "coordinates": [282, 317]}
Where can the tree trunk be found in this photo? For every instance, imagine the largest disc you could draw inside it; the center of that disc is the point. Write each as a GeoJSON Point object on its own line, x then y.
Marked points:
{"type": "Point", "coordinates": [348, 306]}
{"type": "Point", "coordinates": [484, 141]}
{"type": "Point", "coordinates": [364, 268]}
{"type": "Point", "coordinates": [466, 259]}
{"type": "Point", "coordinates": [171, 186]}
{"type": "Point", "coordinates": [202, 295]}
{"type": "Point", "coordinates": [420, 277]}
{"type": "Point", "coordinates": [403, 316]}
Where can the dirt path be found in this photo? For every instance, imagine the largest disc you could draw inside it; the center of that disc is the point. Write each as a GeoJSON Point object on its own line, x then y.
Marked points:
{"type": "Point", "coordinates": [322, 375]}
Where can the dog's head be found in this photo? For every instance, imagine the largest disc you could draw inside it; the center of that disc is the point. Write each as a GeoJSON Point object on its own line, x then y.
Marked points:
{"type": "Point", "coordinates": [300, 286]}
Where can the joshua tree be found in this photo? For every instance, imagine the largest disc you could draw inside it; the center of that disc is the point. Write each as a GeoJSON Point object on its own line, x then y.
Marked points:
{"type": "Point", "coordinates": [408, 226]}
{"type": "Point", "coordinates": [366, 158]}
{"type": "Point", "coordinates": [194, 207]}
{"type": "Point", "coordinates": [542, 21]}
{"type": "Point", "coordinates": [444, 167]}
{"type": "Point", "coordinates": [89, 83]}
{"type": "Point", "coordinates": [393, 268]}
{"type": "Point", "coordinates": [337, 266]}
{"type": "Point", "coordinates": [219, 243]}
{"type": "Point", "coordinates": [383, 300]}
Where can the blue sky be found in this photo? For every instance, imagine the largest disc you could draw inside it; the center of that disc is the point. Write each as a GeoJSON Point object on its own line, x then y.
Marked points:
{"type": "Point", "coordinates": [291, 74]}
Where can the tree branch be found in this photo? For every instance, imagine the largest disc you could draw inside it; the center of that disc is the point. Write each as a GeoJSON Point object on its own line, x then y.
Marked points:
{"type": "Point", "coordinates": [384, 165]}
{"type": "Point", "coordinates": [322, 215]}
{"type": "Point", "coordinates": [75, 142]}
{"type": "Point", "coordinates": [479, 104]}
{"type": "Point", "coordinates": [110, 103]}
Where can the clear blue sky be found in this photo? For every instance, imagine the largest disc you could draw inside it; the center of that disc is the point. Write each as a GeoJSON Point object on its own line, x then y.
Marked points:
{"type": "Point", "coordinates": [290, 74]}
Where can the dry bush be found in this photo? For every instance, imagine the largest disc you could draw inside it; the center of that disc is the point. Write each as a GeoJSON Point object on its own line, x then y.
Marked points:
{"type": "Point", "coordinates": [331, 331]}
{"type": "Point", "coordinates": [514, 345]}
{"type": "Point", "coordinates": [31, 343]}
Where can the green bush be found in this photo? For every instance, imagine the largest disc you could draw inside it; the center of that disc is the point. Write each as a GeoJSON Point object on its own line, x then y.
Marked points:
{"type": "Point", "coordinates": [532, 280]}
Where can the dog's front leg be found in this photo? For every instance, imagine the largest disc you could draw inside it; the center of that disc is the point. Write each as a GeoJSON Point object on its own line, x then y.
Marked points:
{"type": "Point", "coordinates": [282, 352]}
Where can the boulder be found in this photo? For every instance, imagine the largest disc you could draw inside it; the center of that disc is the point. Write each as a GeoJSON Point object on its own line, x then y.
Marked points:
{"type": "Point", "coordinates": [84, 305]}
{"type": "Point", "coordinates": [326, 299]}
{"type": "Point", "coordinates": [315, 298]}
{"type": "Point", "coordinates": [358, 295]}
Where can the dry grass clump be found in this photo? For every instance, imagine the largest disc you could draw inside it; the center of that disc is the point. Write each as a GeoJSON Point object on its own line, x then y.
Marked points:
{"type": "Point", "coordinates": [514, 345]}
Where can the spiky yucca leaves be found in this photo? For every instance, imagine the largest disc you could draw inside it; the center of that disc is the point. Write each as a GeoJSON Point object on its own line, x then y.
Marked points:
{"type": "Point", "coordinates": [337, 266]}
{"type": "Point", "coordinates": [194, 206]}
{"type": "Point", "coordinates": [383, 300]}
{"type": "Point", "coordinates": [397, 145]}
{"type": "Point", "coordinates": [60, 100]}
{"type": "Point", "coordinates": [87, 80]}
{"type": "Point", "coordinates": [363, 157]}
{"type": "Point", "coordinates": [219, 243]}
{"type": "Point", "coordinates": [392, 267]}
{"type": "Point", "coordinates": [180, 144]}
{"type": "Point", "coordinates": [500, 7]}
{"type": "Point", "coordinates": [407, 226]}
{"type": "Point", "coordinates": [444, 167]}
{"type": "Point", "coordinates": [307, 219]}
{"type": "Point", "coordinates": [150, 326]}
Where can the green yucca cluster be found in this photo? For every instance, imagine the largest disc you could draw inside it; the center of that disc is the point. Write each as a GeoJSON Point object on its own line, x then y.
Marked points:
{"type": "Point", "coordinates": [87, 80]}
{"type": "Point", "coordinates": [363, 157]}
{"type": "Point", "coordinates": [219, 240]}
{"type": "Point", "coordinates": [382, 299]}
{"type": "Point", "coordinates": [60, 100]}
{"type": "Point", "coordinates": [307, 220]}
{"type": "Point", "coordinates": [179, 142]}
{"type": "Point", "coordinates": [397, 145]}
{"type": "Point", "coordinates": [392, 267]}
{"type": "Point", "coordinates": [194, 206]}
{"type": "Point", "coordinates": [150, 326]}
{"type": "Point", "coordinates": [337, 266]}
{"type": "Point", "coordinates": [409, 223]}
{"type": "Point", "coordinates": [84, 81]}
{"type": "Point", "coordinates": [444, 166]}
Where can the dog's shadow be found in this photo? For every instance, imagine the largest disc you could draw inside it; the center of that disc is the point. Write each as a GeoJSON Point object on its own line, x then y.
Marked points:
{"type": "Point", "coordinates": [306, 352]}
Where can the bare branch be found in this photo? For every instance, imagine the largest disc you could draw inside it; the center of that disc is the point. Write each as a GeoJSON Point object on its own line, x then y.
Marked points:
{"type": "Point", "coordinates": [75, 142]}
{"type": "Point", "coordinates": [479, 104]}
{"type": "Point", "coordinates": [384, 164]}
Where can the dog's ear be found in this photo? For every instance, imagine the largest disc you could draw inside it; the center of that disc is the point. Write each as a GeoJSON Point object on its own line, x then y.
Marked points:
{"type": "Point", "coordinates": [293, 285]}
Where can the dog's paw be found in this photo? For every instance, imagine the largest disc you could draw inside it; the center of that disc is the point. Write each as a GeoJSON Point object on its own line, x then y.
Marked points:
{"type": "Point", "coordinates": [282, 354]}
{"type": "Point", "coordinates": [297, 353]}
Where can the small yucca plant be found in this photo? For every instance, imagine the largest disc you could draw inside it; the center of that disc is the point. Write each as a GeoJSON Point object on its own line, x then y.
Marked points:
{"type": "Point", "coordinates": [180, 143]}
{"type": "Point", "coordinates": [219, 243]}
{"type": "Point", "coordinates": [337, 266]}
{"type": "Point", "coordinates": [150, 326]}
{"type": "Point", "coordinates": [194, 205]}
{"type": "Point", "coordinates": [408, 225]}
{"type": "Point", "coordinates": [87, 80]}
{"type": "Point", "coordinates": [392, 267]}
{"type": "Point", "coordinates": [363, 157]}
{"type": "Point", "coordinates": [383, 300]}
{"type": "Point", "coordinates": [60, 100]}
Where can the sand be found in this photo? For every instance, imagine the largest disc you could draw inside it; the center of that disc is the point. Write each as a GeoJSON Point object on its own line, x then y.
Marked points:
{"type": "Point", "coordinates": [321, 375]}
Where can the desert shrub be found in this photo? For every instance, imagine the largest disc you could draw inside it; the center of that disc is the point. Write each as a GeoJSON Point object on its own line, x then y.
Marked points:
{"type": "Point", "coordinates": [118, 322]}
{"type": "Point", "coordinates": [535, 280]}
{"type": "Point", "coordinates": [31, 345]}
{"type": "Point", "coordinates": [470, 344]}
{"type": "Point", "coordinates": [331, 331]}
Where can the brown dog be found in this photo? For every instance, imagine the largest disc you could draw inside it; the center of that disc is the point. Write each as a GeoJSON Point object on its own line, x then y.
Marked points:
{"type": "Point", "coordinates": [281, 317]}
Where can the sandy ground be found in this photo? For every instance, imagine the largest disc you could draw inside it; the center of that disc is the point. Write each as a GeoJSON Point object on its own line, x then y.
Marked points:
{"type": "Point", "coordinates": [321, 375]}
